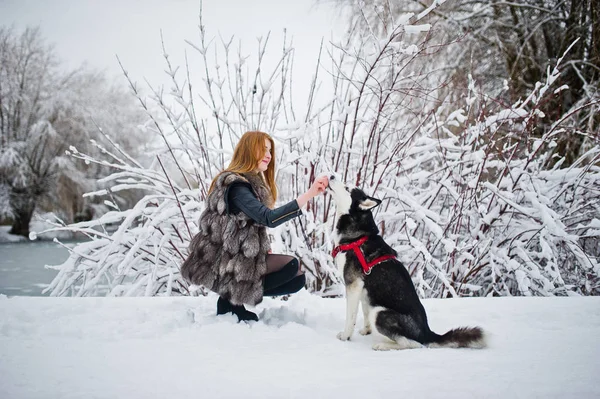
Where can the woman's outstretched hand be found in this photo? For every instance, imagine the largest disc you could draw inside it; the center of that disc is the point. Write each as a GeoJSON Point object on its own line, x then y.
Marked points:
{"type": "Point", "coordinates": [318, 187]}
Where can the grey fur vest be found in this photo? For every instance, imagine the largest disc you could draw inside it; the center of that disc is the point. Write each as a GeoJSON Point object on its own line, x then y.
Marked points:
{"type": "Point", "coordinates": [228, 255]}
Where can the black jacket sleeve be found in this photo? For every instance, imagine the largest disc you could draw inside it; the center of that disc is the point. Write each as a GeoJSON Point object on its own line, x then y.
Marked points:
{"type": "Point", "coordinates": [240, 198]}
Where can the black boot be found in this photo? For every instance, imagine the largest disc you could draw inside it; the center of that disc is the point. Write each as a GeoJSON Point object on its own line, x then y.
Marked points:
{"type": "Point", "coordinates": [224, 306]}
{"type": "Point", "coordinates": [243, 314]}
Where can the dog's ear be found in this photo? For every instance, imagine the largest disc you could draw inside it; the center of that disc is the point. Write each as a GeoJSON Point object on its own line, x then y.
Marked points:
{"type": "Point", "coordinates": [369, 203]}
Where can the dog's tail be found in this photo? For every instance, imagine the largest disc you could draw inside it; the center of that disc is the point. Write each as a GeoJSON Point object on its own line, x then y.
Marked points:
{"type": "Point", "coordinates": [462, 337]}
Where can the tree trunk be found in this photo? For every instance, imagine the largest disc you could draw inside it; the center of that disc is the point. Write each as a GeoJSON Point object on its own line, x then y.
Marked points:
{"type": "Point", "coordinates": [22, 218]}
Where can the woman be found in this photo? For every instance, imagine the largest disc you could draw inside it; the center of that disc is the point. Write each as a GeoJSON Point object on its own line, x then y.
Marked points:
{"type": "Point", "coordinates": [231, 253]}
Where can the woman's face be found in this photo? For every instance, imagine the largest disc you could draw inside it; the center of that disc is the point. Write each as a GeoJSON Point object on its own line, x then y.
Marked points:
{"type": "Point", "coordinates": [263, 164]}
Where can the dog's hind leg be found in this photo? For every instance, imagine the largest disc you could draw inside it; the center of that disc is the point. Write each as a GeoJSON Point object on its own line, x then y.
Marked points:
{"type": "Point", "coordinates": [366, 307]}
{"type": "Point", "coordinates": [353, 294]}
{"type": "Point", "coordinates": [401, 343]}
{"type": "Point", "coordinates": [395, 327]}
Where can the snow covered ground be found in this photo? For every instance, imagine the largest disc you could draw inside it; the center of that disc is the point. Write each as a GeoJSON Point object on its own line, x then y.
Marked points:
{"type": "Point", "coordinates": [177, 348]}
{"type": "Point", "coordinates": [5, 237]}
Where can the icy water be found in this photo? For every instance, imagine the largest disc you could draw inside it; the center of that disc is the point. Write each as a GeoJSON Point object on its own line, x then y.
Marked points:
{"type": "Point", "coordinates": [22, 270]}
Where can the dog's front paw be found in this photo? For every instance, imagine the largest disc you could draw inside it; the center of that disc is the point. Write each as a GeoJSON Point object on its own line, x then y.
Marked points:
{"type": "Point", "coordinates": [365, 331]}
{"type": "Point", "coordinates": [342, 336]}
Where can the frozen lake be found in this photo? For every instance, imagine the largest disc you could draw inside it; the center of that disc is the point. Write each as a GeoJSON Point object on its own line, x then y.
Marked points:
{"type": "Point", "coordinates": [22, 270]}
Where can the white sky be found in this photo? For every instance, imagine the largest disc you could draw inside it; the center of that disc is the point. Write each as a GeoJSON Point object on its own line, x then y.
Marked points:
{"type": "Point", "coordinates": [94, 31]}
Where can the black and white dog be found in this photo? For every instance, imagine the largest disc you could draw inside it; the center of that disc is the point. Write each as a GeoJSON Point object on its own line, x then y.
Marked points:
{"type": "Point", "coordinates": [374, 277]}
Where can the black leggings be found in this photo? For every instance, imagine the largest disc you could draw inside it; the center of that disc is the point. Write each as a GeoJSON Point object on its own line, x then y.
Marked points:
{"type": "Point", "coordinates": [283, 275]}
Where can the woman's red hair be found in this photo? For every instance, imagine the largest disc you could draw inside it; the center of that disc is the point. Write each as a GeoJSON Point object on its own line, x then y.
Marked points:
{"type": "Point", "coordinates": [248, 152]}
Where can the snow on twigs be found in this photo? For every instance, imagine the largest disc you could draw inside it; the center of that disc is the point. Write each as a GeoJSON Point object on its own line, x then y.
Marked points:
{"type": "Point", "coordinates": [474, 200]}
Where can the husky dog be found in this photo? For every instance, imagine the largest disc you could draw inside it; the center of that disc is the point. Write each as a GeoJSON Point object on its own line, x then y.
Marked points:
{"type": "Point", "coordinates": [374, 277]}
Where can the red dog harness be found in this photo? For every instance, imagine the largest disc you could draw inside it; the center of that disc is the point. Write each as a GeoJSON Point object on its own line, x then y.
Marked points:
{"type": "Point", "coordinates": [355, 246]}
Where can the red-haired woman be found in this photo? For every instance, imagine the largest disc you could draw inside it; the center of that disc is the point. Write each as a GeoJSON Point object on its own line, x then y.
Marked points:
{"type": "Point", "coordinates": [231, 253]}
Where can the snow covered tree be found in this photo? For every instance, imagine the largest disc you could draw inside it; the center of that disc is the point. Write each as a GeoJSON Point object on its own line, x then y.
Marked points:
{"type": "Point", "coordinates": [43, 110]}
{"type": "Point", "coordinates": [26, 73]}
{"type": "Point", "coordinates": [507, 47]}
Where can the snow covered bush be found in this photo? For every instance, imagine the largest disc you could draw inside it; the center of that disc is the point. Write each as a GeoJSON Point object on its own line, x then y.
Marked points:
{"type": "Point", "coordinates": [483, 214]}
{"type": "Point", "coordinates": [143, 255]}
{"type": "Point", "coordinates": [475, 200]}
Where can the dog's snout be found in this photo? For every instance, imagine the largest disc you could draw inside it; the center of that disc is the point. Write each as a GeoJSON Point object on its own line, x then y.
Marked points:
{"type": "Point", "coordinates": [332, 177]}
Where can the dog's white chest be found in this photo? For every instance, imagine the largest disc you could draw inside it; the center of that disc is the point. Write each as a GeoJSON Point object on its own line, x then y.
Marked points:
{"type": "Point", "coordinates": [340, 262]}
